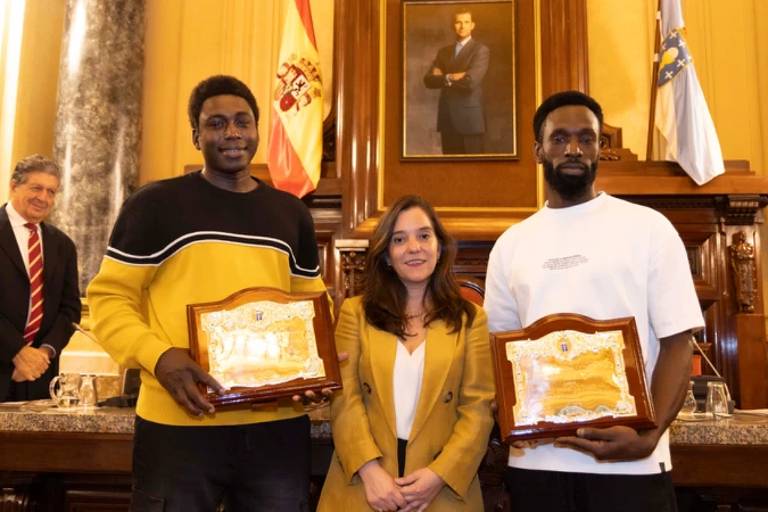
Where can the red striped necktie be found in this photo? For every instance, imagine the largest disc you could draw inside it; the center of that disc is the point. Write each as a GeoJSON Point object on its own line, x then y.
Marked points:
{"type": "Point", "coordinates": [35, 318]}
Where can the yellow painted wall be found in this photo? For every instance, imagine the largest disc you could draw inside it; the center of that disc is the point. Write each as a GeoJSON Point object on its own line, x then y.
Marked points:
{"type": "Point", "coordinates": [729, 44]}
{"type": "Point", "coordinates": [187, 40]}
{"type": "Point", "coordinates": [620, 47]}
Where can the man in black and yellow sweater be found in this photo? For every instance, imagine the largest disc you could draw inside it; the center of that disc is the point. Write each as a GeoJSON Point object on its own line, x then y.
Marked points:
{"type": "Point", "coordinates": [199, 238]}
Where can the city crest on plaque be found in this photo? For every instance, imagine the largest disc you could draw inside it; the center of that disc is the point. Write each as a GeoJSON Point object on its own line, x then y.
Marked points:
{"type": "Point", "coordinates": [263, 344]}
{"type": "Point", "coordinates": [568, 371]}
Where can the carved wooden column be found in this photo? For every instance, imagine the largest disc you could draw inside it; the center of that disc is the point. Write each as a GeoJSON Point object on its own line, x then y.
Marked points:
{"type": "Point", "coordinates": [564, 52]}
{"type": "Point", "coordinates": [357, 72]}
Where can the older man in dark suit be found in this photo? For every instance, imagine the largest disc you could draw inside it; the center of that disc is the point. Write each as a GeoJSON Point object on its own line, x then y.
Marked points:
{"type": "Point", "coordinates": [458, 71]}
{"type": "Point", "coordinates": [39, 296]}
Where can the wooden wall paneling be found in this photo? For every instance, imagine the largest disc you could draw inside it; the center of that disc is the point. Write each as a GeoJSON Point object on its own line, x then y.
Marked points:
{"type": "Point", "coordinates": [707, 338]}
{"type": "Point", "coordinates": [744, 349]}
{"type": "Point", "coordinates": [472, 259]}
{"type": "Point", "coordinates": [465, 190]}
{"type": "Point", "coordinates": [751, 362]}
{"type": "Point", "coordinates": [564, 54]}
{"type": "Point", "coordinates": [327, 219]}
{"type": "Point", "coordinates": [357, 73]}
{"type": "Point", "coordinates": [368, 158]}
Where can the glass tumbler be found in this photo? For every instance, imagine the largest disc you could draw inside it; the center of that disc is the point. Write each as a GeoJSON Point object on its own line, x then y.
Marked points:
{"type": "Point", "coordinates": [717, 400]}
{"type": "Point", "coordinates": [88, 392]}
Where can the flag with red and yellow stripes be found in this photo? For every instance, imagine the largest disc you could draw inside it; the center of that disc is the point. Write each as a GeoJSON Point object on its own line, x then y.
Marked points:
{"type": "Point", "coordinates": [296, 141]}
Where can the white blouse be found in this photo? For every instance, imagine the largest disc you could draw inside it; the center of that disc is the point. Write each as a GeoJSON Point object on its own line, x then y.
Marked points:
{"type": "Point", "coordinates": [406, 385]}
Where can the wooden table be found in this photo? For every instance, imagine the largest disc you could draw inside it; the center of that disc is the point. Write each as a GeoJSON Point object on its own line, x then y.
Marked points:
{"type": "Point", "coordinates": [87, 456]}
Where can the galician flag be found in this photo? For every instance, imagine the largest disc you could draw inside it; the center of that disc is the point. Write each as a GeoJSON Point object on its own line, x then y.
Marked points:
{"type": "Point", "coordinates": [682, 115]}
{"type": "Point", "coordinates": [296, 141]}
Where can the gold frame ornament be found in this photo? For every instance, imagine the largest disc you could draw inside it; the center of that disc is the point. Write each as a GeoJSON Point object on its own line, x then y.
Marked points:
{"type": "Point", "coordinates": [264, 344]}
{"type": "Point", "coordinates": [567, 371]}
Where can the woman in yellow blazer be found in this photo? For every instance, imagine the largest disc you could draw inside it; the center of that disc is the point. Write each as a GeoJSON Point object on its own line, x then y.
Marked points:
{"type": "Point", "coordinates": [410, 440]}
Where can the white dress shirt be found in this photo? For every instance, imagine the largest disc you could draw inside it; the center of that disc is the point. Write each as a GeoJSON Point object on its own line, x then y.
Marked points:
{"type": "Point", "coordinates": [406, 384]}
{"type": "Point", "coordinates": [21, 232]}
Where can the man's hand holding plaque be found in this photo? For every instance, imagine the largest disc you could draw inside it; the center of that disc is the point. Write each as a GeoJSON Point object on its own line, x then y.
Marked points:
{"type": "Point", "coordinates": [181, 376]}
{"type": "Point", "coordinates": [263, 344]}
{"type": "Point", "coordinates": [572, 376]}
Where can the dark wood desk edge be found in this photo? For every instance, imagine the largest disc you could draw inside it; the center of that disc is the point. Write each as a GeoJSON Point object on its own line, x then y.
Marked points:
{"type": "Point", "coordinates": [66, 452]}
{"type": "Point", "coordinates": [696, 465]}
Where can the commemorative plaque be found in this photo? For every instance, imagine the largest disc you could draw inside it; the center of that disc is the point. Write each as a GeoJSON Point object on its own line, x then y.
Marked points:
{"type": "Point", "coordinates": [263, 344]}
{"type": "Point", "coordinates": [568, 371]}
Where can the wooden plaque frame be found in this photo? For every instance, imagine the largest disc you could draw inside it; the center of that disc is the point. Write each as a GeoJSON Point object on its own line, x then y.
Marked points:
{"type": "Point", "coordinates": [323, 332]}
{"type": "Point", "coordinates": [507, 396]}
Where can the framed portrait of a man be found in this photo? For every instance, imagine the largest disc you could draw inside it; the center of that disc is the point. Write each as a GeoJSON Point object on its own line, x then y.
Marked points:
{"type": "Point", "coordinates": [459, 79]}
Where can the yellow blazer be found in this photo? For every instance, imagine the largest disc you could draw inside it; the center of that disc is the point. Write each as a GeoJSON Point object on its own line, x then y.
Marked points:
{"type": "Point", "coordinates": [452, 422]}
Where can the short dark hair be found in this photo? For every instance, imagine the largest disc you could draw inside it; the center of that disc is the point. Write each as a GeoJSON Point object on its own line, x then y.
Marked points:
{"type": "Point", "coordinates": [218, 85]}
{"type": "Point", "coordinates": [385, 296]}
{"type": "Point", "coordinates": [562, 99]}
{"type": "Point", "coordinates": [34, 163]}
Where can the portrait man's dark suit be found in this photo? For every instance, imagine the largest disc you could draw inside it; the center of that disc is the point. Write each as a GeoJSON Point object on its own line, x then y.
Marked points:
{"type": "Point", "coordinates": [460, 112]}
{"type": "Point", "coordinates": [61, 303]}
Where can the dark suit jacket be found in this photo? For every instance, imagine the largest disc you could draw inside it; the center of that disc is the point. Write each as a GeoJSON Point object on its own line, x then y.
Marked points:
{"type": "Point", "coordinates": [61, 301]}
{"type": "Point", "coordinates": [461, 104]}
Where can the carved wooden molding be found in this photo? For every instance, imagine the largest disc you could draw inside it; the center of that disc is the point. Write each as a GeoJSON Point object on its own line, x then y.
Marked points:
{"type": "Point", "coordinates": [351, 257]}
{"type": "Point", "coordinates": [744, 272]}
{"type": "Point", "coordinates": [611, 145]}
{"type": "Point", "coordinates": [732, 209]}
{"type": "Point", "coordinates": [741, 209]}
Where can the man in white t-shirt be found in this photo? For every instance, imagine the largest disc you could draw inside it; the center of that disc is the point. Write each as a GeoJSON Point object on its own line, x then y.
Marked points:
{"type": "Point", "coordinates": [605, 258]}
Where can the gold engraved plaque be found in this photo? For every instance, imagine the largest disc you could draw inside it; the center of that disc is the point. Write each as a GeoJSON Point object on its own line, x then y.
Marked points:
{"type": "Point", "coordinates": [264, 344]}
{"type": "Point", "coordinates": [568, 371]}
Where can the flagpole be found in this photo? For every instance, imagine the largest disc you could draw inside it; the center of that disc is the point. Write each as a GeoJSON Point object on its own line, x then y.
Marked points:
{"type": "Point", "coordinates": [654, 78]}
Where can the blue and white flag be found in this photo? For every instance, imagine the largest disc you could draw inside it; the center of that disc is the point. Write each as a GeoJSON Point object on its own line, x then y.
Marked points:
{"type": "Point", "coordinates": [682, 115]}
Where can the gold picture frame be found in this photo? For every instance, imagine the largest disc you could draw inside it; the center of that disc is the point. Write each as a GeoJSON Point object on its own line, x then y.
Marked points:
{"type": "Point", "coordinates": [479, 106]}
{"type": "Point", "coordinates": [264, 344]}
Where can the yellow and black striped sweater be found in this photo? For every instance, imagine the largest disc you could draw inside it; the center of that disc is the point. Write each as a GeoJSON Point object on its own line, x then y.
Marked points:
{"type": "Point", "coordinates": [183, 241]}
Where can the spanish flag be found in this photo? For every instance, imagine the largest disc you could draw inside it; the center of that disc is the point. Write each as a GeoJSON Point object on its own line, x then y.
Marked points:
{"type": "Point", "coordinates": [296, 141]}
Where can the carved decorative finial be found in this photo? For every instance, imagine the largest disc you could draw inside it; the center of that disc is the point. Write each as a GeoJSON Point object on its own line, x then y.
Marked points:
{"type": "Point", "coordinates": [353, 272]}
{"type": "Point", "coordinates": [744, 272]}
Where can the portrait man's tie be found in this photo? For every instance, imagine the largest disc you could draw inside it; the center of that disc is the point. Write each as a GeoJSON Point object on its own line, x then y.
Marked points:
{"type": "Point", "coordinates": [457, 49]}
{"type": "Point", "coordinates": [35, 284]}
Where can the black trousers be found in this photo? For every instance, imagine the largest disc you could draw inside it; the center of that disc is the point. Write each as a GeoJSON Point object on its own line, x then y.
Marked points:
{"type": "Point", "coordinates": [555, 491]}
{"type": "Point", "coordinates": [258, 467]}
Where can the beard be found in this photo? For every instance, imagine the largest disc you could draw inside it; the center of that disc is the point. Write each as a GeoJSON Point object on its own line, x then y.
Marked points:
{"type": "Point", "coordinates": [569, 186]}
